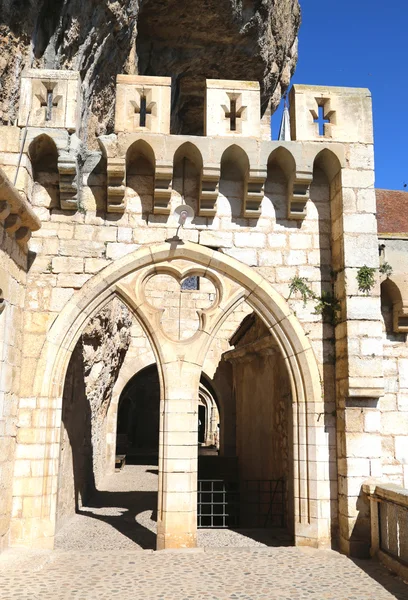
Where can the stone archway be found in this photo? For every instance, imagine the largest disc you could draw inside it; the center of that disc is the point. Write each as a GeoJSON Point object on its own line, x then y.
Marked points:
{"type": "Point", "coordinates": [234, 281]}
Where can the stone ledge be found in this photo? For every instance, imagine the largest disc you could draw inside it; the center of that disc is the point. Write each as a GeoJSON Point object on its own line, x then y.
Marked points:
{"type": "Point", "coordinates": [388, 492]}
{"type": "Point", "coordinates": [16, 214]}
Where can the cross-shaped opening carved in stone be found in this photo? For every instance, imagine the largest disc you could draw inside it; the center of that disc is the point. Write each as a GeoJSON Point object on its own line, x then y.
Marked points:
{"type": "Point", "coordinates": [143, 108]}
{"type": "Point", "coordinates": [48, 101]}
{"type": "Point", "coordinates": [234, 112]}
{"type": "Point", "coordinates": [322, 117]}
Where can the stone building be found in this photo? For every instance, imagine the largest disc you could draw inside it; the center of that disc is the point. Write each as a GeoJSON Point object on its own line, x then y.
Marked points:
{"type": "Point", "coordinates": [258, 314]}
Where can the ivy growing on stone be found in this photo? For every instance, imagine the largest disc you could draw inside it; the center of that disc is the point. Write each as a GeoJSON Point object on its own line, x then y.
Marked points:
{"type": "Point", "coordinates": [366, 279]}
{"type": "Point", "coordinates": [300, 285]}
{"type": "Point", "coordinates": [327, 305]}
{"type": "Point", "coordinates": [386, 269]}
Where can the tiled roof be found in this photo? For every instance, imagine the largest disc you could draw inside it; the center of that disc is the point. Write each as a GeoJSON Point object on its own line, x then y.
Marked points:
{"type": "Point", "coordinates": [392, 211]}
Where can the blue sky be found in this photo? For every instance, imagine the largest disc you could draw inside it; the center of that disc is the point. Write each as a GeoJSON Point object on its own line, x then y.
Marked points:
{"type": "Point", "coordinates": [362, 43]}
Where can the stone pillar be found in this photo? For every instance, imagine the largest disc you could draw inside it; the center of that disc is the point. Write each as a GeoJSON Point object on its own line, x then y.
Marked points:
{"type": "Point", "coordinates": [178, 450]}
{"type": "Point", "coordinates": [329, 115]}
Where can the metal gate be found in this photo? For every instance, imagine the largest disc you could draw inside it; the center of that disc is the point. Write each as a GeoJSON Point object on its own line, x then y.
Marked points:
{"type": "Point", "coordinates": [246, 504]}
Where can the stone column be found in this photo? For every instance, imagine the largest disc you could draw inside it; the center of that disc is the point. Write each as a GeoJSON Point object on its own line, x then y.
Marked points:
{"type": "Point", "coordinates": [178, 451]}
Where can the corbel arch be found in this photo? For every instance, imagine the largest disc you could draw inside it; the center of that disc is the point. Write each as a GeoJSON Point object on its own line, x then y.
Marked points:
{"type": "Point", "coordinates": [272, 309]}
{"type": "Point", "coordinates": [234, 175]}
{"type": "Point", "coordinates": [188, 174]}
{"type": "Point", "coordinates": [54, 167]}
{"type": "Point", "coordinates": [43, 154]}
{"type": "Point", "coordinates": [391, 294]}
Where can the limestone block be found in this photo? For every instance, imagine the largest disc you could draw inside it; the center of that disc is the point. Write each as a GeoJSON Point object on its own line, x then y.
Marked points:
{"type": "Point", "coordinates": [363, 308]}
{"type": "Point", "coordinates": [346, 112]}
{"type": "Point", "coordinates": [403, 372]}
{"type": "Point", "coordinates": [277, 240]}
{"type": "Point", "coordinates": [216, 239]}
{"type": "Point", "coordinates": [115, 251]}
{"type": "Point", "coordinates": [125, 234]}
{"type": "Point", "coordinates": [300, 242]}
{"type": "Point", "coordinates": [250, 240]}
{"type": "Point", "coordinates": [402, 400]}
{"type": "Point", "coordinates": [84, 232]}
{"type": "Point", "coordinates": [246, 256]}
{"type": "Point", "coordinates": [9, 139]}
{"type": "Point", "coordinates": [62, 264]}
{"type": "Point", "coordinates": [59, 298]}
{"type": "Point", "coordinates": [149, 235]}
{"type": "Point", "coordinates": [366, 201]}
{"type": "Point", "coordinates": [270, 257]}
{"type": "Point", "coordinates": [366, 223]}
{"type": "Point", "coordinates": [142, 104]}
{"type": "Point", "coordinates": [84, 248]}
{"type": "Point", "coordinates": [49, 98]}
{"type": "Point", "coordinates": [354, 420]}
{"type": "Point", "coordinates": [372, 421]}
{"type": "Point", "coordinates": [94, 265]}
{"type": "Point", "coordinates": [233, 108]}
{"type": "Point", "coordinates": [370, 346]}
{"type": "Point", "coordinates": [353, 178]}
{"type": "Point", "coordinates": [360, 156]}
{"type": "Point", "coordinates": [295, 258]}
{"type": "Point", "coordinates": [361, 445]}
{"type": "Point", "coordinates": [361, 250]}
{"type": "Point", "coordinates": [72, 281]}
{"type": "Point", "coordinates": [395, 422]}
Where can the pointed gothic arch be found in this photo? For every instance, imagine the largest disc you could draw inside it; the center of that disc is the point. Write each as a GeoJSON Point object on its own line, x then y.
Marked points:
{"type": "Point", "coordinates": [310, 488]}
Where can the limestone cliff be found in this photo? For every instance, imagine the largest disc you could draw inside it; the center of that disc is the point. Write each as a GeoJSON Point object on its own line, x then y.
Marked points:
{"type": "Point", "coordinates": [105, 342]}
{"type": "Point", "coordinates": [190, 41]}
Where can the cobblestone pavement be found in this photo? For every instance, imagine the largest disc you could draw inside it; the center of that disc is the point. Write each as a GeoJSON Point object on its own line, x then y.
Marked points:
{"type": "Point", "coordinates": [123, 516]}
{"type": "Point", "coordinates": [212, 574]}
{"type": "Point", "coordinates": [101, 554]}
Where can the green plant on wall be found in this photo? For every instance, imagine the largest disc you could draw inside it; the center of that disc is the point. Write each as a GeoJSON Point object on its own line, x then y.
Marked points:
{"type": "Point", "coordinates": [366, 279]}
{"type": "Point", "coordinates": [327, 304]}
{"type": "Point", "coordinates": [300, 285]}
{"type": "Point", "coordinates": [329, 307]}
{"type": "Point", "coordinates": [386, 269]}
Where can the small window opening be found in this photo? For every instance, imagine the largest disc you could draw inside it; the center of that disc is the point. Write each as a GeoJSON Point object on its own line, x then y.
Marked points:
{"type": "Point", "coordinates": [191, 284]}
{"type": "Point", "coordinates": [233, 115]}
{"type": "Point", "coordinates": [48, 113]}
{"type": "Point", "coordinates": [321, 120]}
{"type": "Point", "coordinates": [143, 111]}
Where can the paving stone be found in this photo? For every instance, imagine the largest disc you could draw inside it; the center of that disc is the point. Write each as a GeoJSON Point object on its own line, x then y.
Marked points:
{"type": "Point", "coordinates": [99, 556]}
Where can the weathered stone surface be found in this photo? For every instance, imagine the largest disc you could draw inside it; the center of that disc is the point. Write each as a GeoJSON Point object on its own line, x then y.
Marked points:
{"type": "Point", "coordinates": [216, 39]}
{"type": "Point", "coordinates": [105, 343]}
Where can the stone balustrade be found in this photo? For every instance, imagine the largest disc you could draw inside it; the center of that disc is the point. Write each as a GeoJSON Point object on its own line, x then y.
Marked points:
{"type": "Point", "coordinates": [389, 525]}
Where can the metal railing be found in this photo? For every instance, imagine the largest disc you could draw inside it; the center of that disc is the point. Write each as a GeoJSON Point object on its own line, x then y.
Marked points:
{"type": "Point", "coordinates": [247, 504]}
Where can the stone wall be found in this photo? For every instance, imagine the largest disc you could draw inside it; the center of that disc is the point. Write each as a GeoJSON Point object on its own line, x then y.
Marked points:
{"type": "Point", "coordinates": [13, 265]}
{"type": "Point", "coordinates": [295, 210]}
{"type": "Point", "coordinates": [394, 305]}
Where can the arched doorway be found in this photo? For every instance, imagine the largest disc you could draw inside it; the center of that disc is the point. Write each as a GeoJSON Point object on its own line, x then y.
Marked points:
{"type": "Point", "coordinates": [137, 430]}
{"type": "Point", "coordinates": [179, 374]}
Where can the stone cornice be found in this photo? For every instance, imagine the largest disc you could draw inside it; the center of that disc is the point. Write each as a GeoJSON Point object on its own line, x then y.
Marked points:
{"type": "Point", "coordinates": [16, 214]}
{"type": "Point", "coordinates": [248, 352]}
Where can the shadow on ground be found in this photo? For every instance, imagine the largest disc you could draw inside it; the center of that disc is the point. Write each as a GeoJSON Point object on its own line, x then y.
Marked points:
{"type": "Point", "coordinates": [390, 582]}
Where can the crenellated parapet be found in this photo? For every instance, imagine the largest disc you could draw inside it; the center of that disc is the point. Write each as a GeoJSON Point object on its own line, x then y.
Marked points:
{"type": "Point", "coordinates": [321, 118]}
{"type": "Point", "coordinates": [49, 117]}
